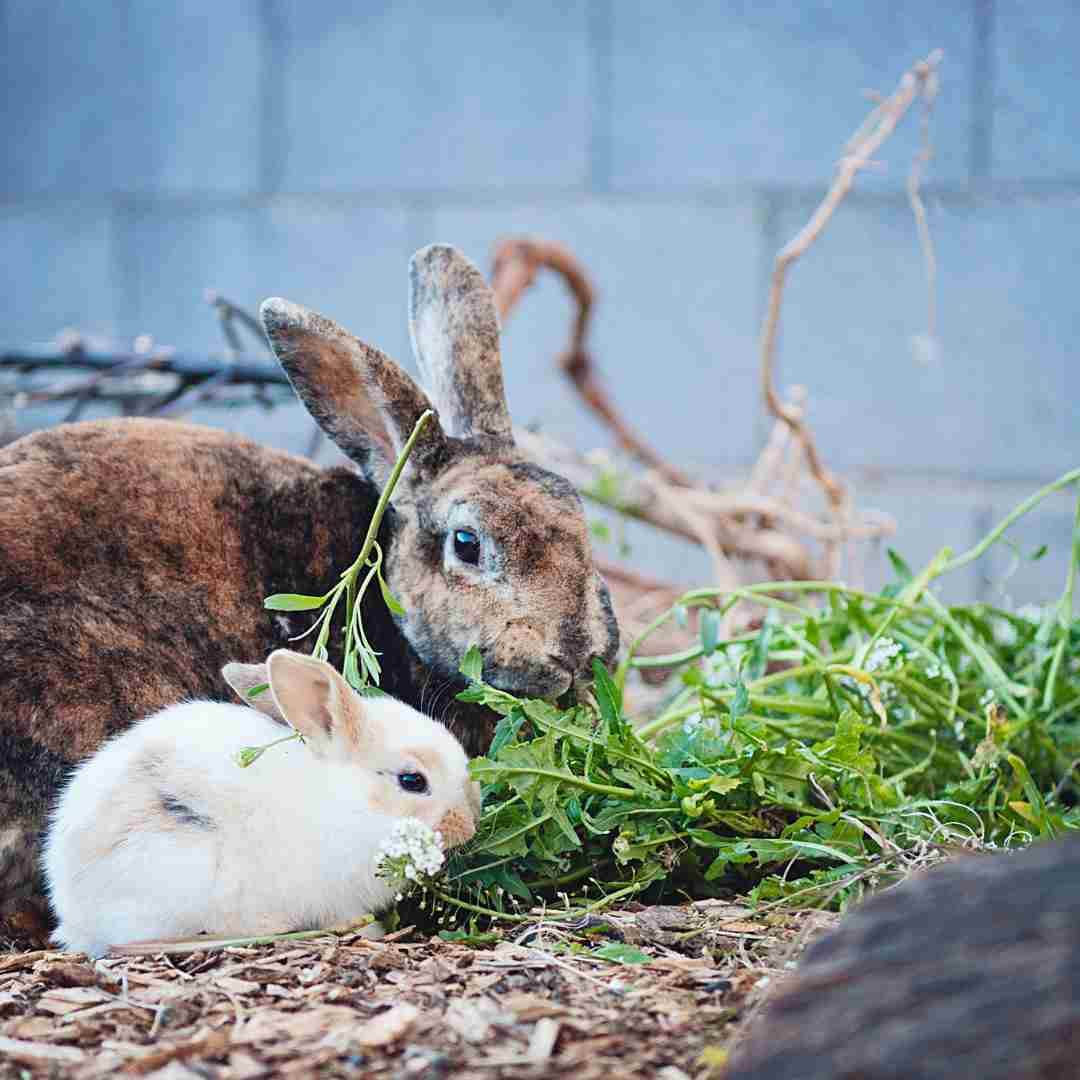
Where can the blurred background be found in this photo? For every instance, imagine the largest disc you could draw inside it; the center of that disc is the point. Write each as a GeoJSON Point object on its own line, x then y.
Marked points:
{"type": "Point", "coordinates": [306, 149]}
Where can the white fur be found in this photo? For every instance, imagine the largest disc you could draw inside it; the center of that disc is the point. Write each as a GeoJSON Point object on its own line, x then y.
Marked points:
{"type": "Point", "coordinates": [294, 838]}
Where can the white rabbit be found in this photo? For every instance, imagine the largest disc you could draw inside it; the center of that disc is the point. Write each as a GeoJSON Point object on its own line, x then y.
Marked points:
{"type": "Point", "coordinates": [161, 834]}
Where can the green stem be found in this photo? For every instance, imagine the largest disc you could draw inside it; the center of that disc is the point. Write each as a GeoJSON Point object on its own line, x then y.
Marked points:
{"type": "Point", "coordinates": [574, 781]}
{"type": "Point", "coordinates": [1065, 616]}
{"type": "Point", "coordinates": [995, 534]}
{"type": "Point", "coordinates": [211, 944]}
{"type": "Point", "coordinates": [910, 594]}
{"type": "Point", "coordinates": [991, 669]}
{"type": "Point", "coordinates": [562, 879]}
{"type": "Point", "coordinates": [799, 706]}
{"type": "Point", "coordinates": [388, 489]}
{"type": "Point", "coordinates": [491, 913]}
{"type": "Point", "coordinates": [348, 578]}
{"type": "Point", "coordinates": [610, 751]}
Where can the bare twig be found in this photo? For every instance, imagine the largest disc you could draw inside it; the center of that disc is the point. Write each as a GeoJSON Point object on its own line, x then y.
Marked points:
{"type": "Point", "coordinates": [646, 497]}
{"type": "Point", "coordinates": [251, 371]}
{"type": "Point", "coordinates": [634, 580]}
{"type": "Point", "coordinates": [874, 131]}
{"type": "Point", "coordinates": [929, 88]}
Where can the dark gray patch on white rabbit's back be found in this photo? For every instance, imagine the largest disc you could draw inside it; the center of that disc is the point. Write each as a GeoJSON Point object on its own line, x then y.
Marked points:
{"type": "Point", "coordinates": [184, 813]}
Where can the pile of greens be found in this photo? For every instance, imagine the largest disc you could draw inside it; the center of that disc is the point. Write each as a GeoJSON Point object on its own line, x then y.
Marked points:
{"type": "Point", "coordinates": [805, 759]}
{"type": "Point", "coordinates": [850, 728]}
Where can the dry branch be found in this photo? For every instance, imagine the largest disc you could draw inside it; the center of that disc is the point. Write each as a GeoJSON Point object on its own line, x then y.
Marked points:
{"type": "Point", "coordinates": [868, 139]}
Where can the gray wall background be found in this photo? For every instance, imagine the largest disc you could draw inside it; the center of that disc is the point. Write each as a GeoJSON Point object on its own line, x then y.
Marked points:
{"type": "Point", "coordinates": [306, 147]}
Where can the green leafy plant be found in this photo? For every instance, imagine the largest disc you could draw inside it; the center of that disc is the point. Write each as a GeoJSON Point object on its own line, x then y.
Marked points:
{"type": "Point", "coordinates": [803, 760]}
{"type": "Point", "coordinates": [361, 661]}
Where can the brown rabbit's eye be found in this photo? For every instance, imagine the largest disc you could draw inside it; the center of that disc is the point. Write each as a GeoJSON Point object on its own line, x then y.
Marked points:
{"type": "Point", "coordinates": [413, 782]}
{"type": "Point", "coordinates": [467, 546]}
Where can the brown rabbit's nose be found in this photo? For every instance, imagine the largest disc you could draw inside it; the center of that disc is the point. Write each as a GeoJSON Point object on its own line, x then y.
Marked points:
{"type": "Point", "coordinates": [456, 827]}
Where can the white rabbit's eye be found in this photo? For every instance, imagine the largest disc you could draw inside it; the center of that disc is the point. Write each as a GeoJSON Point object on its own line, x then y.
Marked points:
{"type": "Point", "coordinates": [413, 782]}
{"type": "Point", "coordinates": [467, 546]}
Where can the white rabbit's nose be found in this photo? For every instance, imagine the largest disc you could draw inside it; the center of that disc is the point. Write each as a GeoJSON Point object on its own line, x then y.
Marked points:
{"type": "Point", "coordinates": [456, 826]}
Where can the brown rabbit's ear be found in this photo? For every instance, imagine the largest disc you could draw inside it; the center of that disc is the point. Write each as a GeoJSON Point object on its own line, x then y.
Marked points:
{"type": "Point", "coordinates": [364, 401]}
{"type": "Point", "coordinates": [244, 678]}
{"type": "Point", "coordinates": [455, 336]}
{"type": "Point", "coordinates": [316, 701]}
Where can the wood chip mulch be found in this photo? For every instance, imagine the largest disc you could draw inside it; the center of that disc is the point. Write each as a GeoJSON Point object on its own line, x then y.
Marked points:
{"type": "Point", "coordinates": [536, 1003]}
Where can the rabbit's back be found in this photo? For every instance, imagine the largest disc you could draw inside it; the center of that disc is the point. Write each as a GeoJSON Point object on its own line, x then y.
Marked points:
{"type": "Point", "coordinates": [163, 827]}
{"type": "Point", "coordinates": [126, 849]}
{"type": "Point", "coordinates": [134, 556]}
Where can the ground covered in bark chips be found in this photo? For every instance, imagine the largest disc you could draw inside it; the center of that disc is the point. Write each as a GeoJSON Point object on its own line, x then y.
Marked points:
{"type": "Point", "coordinates": [645, 992]}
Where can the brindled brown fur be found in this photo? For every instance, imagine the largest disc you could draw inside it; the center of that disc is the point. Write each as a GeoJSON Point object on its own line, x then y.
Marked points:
{"type": "Point", "coordinates": [135, 556]}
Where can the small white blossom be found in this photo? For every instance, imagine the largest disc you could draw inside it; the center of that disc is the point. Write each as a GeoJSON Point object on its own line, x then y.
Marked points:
{"type": "Point", "coordinates": [1004, 632]}
{"type": "Point", "coordinates": [933, 671]}
{"type": "Point", "coordinates": [987, 696]}
{"type": "Point", "coordinates": [882, 653]}
{"type": "Point", "coordinates": [412, 851]}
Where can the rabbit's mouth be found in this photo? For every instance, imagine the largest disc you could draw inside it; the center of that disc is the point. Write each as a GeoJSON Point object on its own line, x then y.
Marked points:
{"type": "Point", "coordinates": [548, 680]}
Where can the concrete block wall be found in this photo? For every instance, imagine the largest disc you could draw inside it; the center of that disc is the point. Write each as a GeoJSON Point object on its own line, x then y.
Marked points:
{"type": "Point", "coordinates": [306, 147]}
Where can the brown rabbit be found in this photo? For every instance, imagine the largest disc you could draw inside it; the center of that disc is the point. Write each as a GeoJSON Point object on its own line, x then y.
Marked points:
{"type": "Point", "coordinates": [135, 554]}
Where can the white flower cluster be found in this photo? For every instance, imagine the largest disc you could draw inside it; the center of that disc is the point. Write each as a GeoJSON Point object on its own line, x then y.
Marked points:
{"type": "Point", "coordinates": [882, 653]}
{"type": "Point", "coordinates": [412, 851]}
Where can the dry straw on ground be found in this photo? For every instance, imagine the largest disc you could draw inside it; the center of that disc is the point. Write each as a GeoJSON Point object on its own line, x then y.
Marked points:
{"type": "Point", "coordinates": [349, 1007]}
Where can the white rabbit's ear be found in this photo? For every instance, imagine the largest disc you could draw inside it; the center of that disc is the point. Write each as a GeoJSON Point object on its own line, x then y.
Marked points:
{"type": "Point", "coordinates": [455, 336]}
{"type": "Point", "coordinates": [364, 401]}
{"type": "Point", "coordinates": [316, 701]}
{"type": "Point", "coordinates": [244, 678]}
